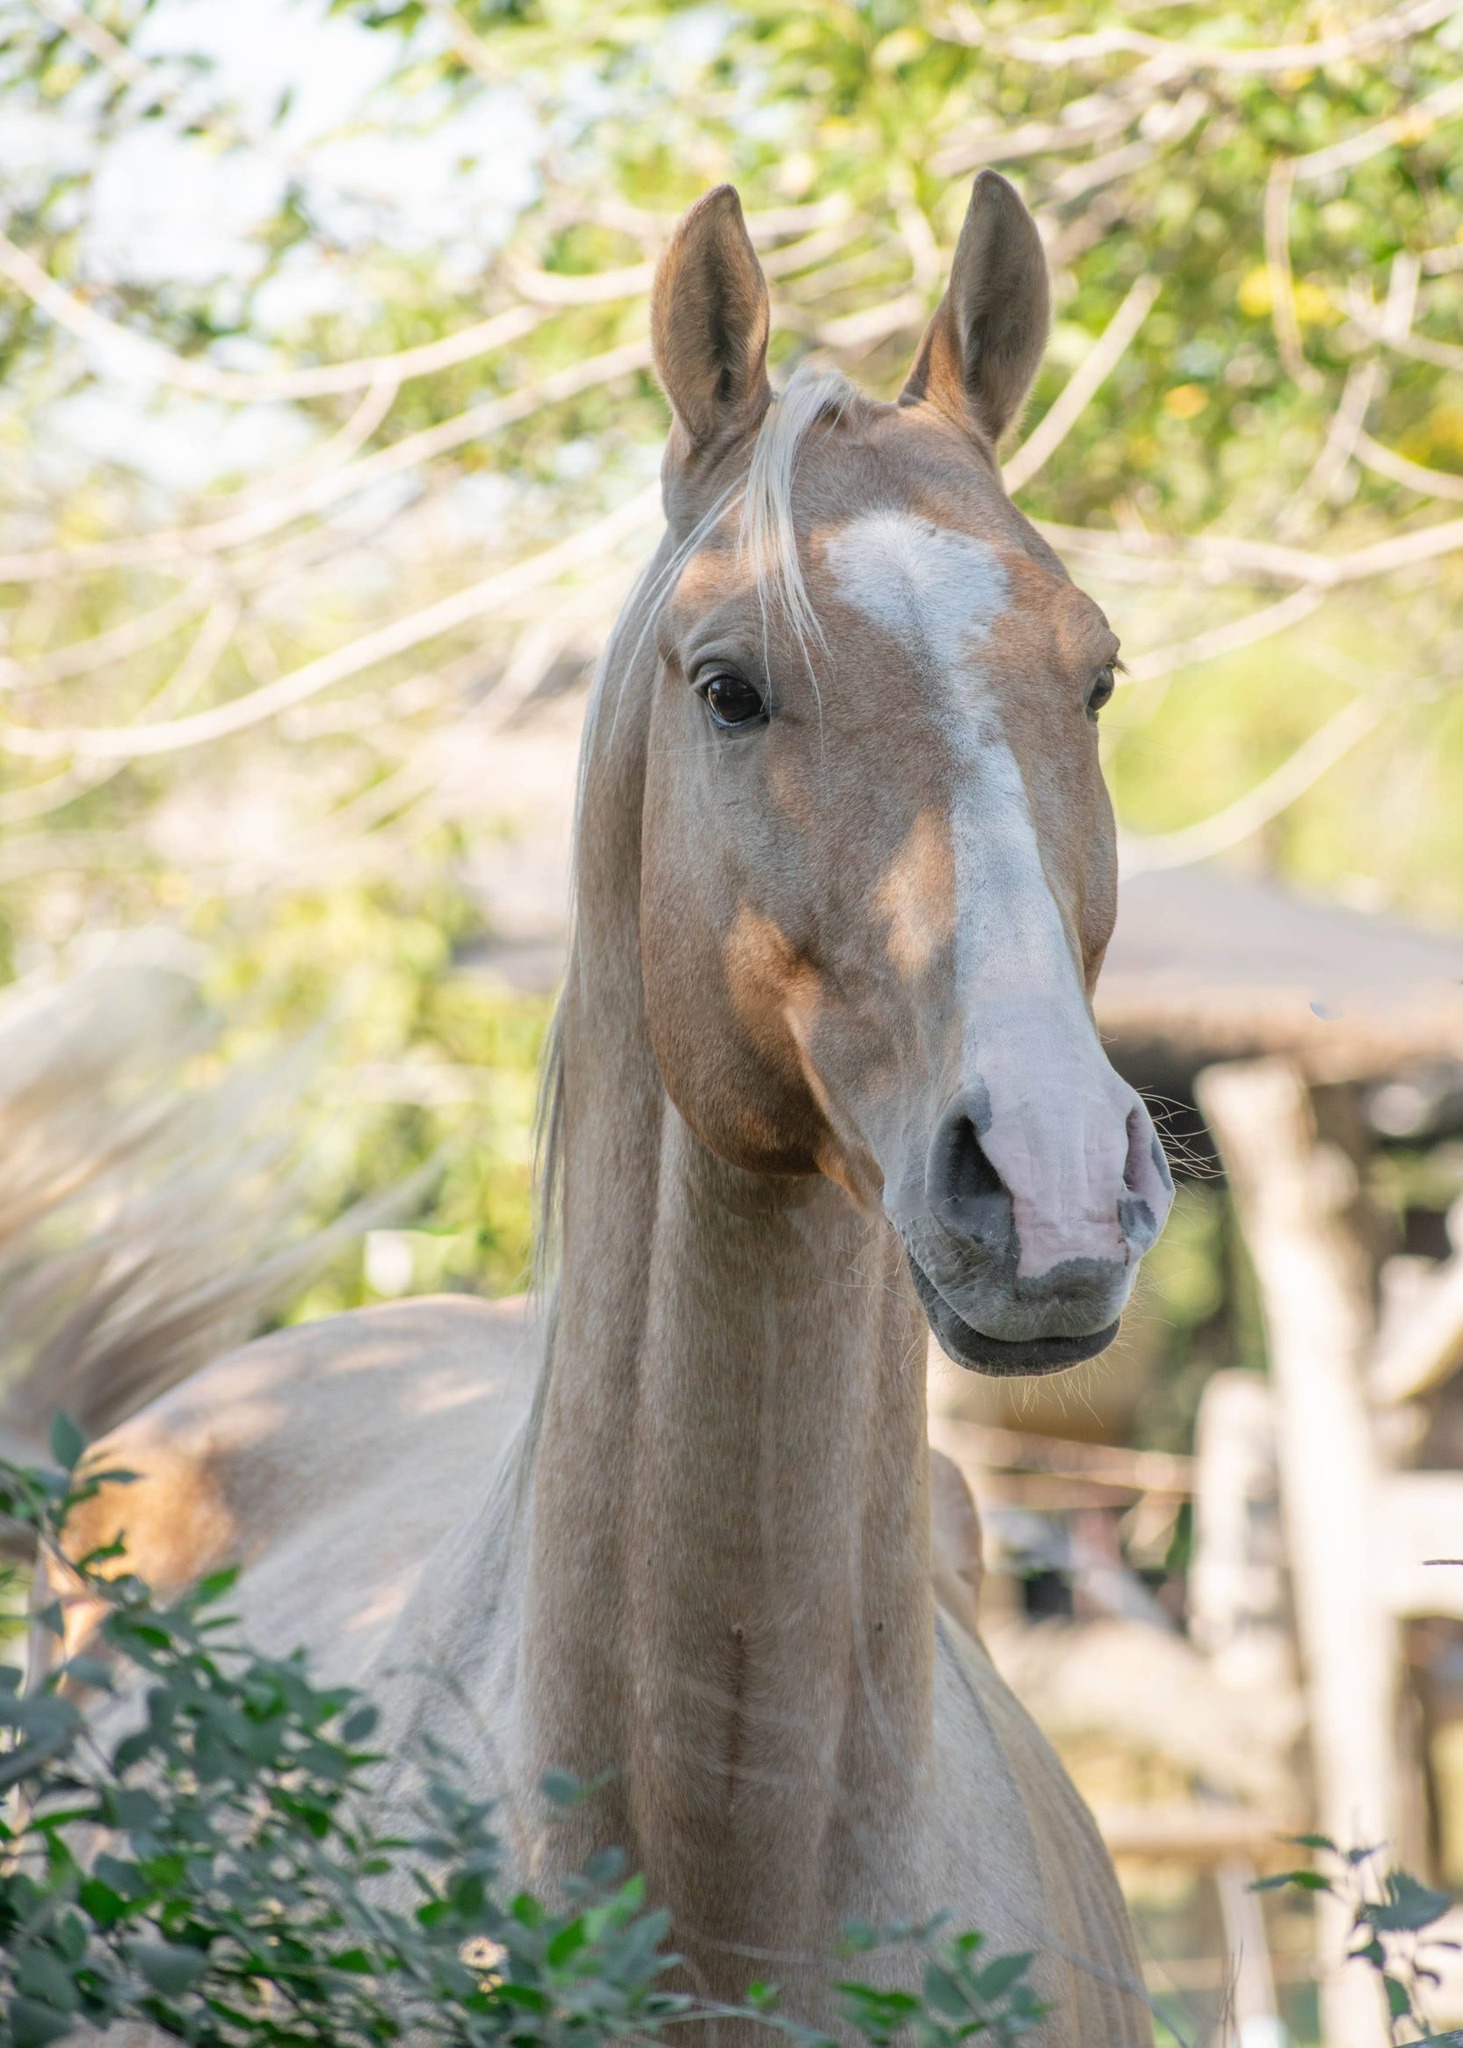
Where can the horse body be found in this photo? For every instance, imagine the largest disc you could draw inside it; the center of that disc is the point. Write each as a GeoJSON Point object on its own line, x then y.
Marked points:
{"type": "Point", "coordinates": [844, 880]}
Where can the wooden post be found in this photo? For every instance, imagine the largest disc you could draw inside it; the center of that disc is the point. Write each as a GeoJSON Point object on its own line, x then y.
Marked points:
{"type": "Point", "coordinates": [1289, 1192]}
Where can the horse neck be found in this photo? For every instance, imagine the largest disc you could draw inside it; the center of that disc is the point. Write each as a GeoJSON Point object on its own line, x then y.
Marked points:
{"type": "Point", "coordinates": [728, 1615]}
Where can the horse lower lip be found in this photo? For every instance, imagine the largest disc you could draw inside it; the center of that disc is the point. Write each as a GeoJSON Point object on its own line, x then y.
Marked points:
{"type": "Point", "coordinates": [996, 1356]}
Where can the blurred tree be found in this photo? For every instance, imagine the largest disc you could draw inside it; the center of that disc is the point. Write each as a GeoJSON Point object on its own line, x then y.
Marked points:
{"type": "Point", "coordinates": [303, 505]}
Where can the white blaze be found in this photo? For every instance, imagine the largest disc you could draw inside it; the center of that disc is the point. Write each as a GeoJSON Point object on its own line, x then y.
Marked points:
{"type": "Point", "coordinates": [939, 595]}
{"type": "Point", "coordinates": [1057, 1133]}
{"type": "Point", "coordinates": [920, 582]}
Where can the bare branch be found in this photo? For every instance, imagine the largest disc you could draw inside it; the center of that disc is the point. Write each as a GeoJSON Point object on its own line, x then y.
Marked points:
{"type": "Point", "coordinates": [248, 387]}
{"type": "Point", "coordinates": [471, 48]}
{"type": "Point", "coordinates": [1336, 452]}
{"type": "Point", "coordinates": [124, 743]}
{"type": "Point", "coordinates": [1238, 821]}
{"type": "Point", "coordinates": [1229, 558]}
{"type": "Point", "coordinates": [1444, 355]}
{"type": "Point", "coordinates": [1413, 125]}
{"type": "Point", "coordinates": [112, 55]}
{"type": "Point", "coordinates": [257, 521]}
{"type": "Point", "coordinates": [964, 26]}
{"type": "Point", "coordinates": [338, 448]}
{"type": "Point", "coordinates": [203, 656]}
{"type": "Point", "coordinates": [1418, 1353]}
{"type": "Point", "coordinates": [590, 288]}
{"type": "Point", "coordinates": [42, 799]}
{"type": "Point", "coordinates": [1278, 191]}
{"type": "Point", "coordinates": [1220, 640]}
{"type": "Point", "coordinates": [1433, 483]}
{"type": "Point", "coordinates": [1169, 126]}
{"type": "Point", "coordinates": [1084, 123]}
{"type": "Point", "coordinates": [1083, 385]}
{"type": "Point", "coordinates": [130, 636]}
{"type": "Point", "coordinates": [874, 323]}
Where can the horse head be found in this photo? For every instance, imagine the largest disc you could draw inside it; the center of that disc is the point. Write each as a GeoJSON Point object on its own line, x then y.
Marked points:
{"type": "Point", "coordinates": [878, 858]}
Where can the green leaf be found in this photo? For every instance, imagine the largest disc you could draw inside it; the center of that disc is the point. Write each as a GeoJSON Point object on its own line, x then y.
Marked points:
{"type": "Point", "coordinates": [101, 1903]}
{"type": "Point", "coordinates": [523, 1995]}
{"type": "Point", "coordinates": [359, 1723]}
{"type": "Point", "coordinates": [996, 1979]}
{"type": "Point", "coordinates": [566, 1944]}
{"type": "Point", "coordinates": [944, 1994]}
{"type": "Point", "coordinates": [33, 2025]}
{"type": "Point", "coordinates": [42, 1976]}
{"type": "Point", "coordinates": [1303, 1880]}
{"type": "Point", "coordinates": [68, 1445]}
{"type": "Point", "coordinates": [1410, 1907]}
{"type": "Point", "coordinates": [91, 1671]}
{"type": "Point", "coordinates": [561, 1789]}
{"type": "Point", "coordinates": [167, 1967]}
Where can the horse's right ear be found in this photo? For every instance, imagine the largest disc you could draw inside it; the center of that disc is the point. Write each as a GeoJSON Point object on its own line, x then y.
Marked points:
{"type": "Point", "coordinates": [985, 343]}
{"type": "Point", "coordinates": [708, 323]}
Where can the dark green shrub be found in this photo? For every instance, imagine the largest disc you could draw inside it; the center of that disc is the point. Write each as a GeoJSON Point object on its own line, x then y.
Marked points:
{"type": "Point", "coordinates": [211, 1870]}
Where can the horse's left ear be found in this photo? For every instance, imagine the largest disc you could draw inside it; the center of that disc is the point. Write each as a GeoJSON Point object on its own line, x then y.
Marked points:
{"type": "Point", "coordinates": [985, 343]}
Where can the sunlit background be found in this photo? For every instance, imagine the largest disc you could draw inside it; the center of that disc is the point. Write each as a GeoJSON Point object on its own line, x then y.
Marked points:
{"type": "Point", "coordinates": [328, 449]}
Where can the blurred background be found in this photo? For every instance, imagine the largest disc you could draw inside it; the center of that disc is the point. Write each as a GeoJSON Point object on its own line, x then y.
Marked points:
{"type": "Point", "coordinates": [328, 450]}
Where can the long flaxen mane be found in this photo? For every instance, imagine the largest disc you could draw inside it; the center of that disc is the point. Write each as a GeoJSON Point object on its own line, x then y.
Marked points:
{"type": "Point", "coordinates": [762, 500]}
{"type": "Point", "coordinates": [767, 540]}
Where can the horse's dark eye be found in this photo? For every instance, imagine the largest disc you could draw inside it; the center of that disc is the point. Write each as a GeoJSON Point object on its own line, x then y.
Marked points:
{"type": "Point", "coordinates": [731, 699]}
{"type": "Point", "coordinates": [1103, 685]}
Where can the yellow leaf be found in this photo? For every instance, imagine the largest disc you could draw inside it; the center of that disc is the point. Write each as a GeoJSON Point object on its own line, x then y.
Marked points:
{"type": "Point", "coordinates": [1185, 401]}
{"type": "Point", "coordinates": [901, 47]}
{"type": "Point", "coordinates": [1256, 294]}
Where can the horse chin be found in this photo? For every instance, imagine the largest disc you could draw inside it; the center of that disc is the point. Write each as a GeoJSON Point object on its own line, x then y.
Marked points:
{"type": "Point", "coordinates": [999, 1357]}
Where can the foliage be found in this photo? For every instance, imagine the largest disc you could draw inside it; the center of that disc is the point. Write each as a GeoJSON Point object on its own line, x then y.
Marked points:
{"type": "Point", "coordinates": [1391, 1912]}
{"type": "Point", "coordinates": [963, 1993]}
{"type": "Point", "coordinates": [179, 542]}
{"type": "Point", "coordinates": [215, 1869]}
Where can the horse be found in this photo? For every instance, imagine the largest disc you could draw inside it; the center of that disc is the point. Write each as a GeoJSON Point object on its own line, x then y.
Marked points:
{"type": "Point", "coordinates": [824, 1078]}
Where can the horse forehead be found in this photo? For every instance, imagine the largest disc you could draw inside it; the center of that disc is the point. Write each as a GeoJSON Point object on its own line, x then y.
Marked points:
{"type": "Point", "coordinates": [925, 585]}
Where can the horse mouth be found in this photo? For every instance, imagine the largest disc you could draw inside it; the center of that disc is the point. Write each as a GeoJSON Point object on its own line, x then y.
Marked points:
{"type": "Point", "coordinates": [997, 1356]}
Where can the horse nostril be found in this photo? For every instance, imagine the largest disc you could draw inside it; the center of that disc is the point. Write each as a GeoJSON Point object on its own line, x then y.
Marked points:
{"type": "Point", "coordinates": [965, 1191]}
{"type": "Point", "coordinates": [1147, 1185]}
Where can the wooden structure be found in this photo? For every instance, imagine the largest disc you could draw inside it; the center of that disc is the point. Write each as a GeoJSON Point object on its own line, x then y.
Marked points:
{"type": "Point", "coordinates": [1292, 1039]}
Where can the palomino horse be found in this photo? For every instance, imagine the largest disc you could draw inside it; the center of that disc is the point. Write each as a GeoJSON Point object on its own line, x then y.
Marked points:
{"type": "Point", "coordinates": [824, 1060]}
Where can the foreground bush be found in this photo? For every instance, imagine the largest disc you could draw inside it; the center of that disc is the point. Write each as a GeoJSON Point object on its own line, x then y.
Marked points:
{"type": "Point", "coordinates": [211, 1872]}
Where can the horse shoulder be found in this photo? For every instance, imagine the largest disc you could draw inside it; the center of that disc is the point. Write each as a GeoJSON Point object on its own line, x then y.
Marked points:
{"type": "Point", "coordinates": [324, 1461]}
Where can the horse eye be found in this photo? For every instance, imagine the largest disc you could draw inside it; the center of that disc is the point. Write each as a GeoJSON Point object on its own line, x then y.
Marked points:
{"type": "Point", "coordinates": [731, 699]}
{"type": "Point", "coordinates": [1103, 685]}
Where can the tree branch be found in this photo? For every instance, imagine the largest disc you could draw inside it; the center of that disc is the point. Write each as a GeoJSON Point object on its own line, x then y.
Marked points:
{"type": "Point", "coordinates": [257, 521]}
{"type": "Point", "coordinates": [1315, 757]}
{"type": "Point", "coordinates": [1256, 61]}
{"type": "Point", "coordinates": [1433, 483]}
{"type": "Point", "coordinates": [134, 743]}
{"type": "Point", "coordinates": [1083, 384]}
{"type": "Point", "coordinates": [249, 387]}
{"type": "Point", "coordinates": [1220, 640]}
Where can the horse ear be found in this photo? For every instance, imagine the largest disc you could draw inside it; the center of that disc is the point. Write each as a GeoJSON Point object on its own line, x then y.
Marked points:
{"type": "Point", "coordinates": [985, 343]}
{"type": "Point", "coordinates": [708, 322]}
